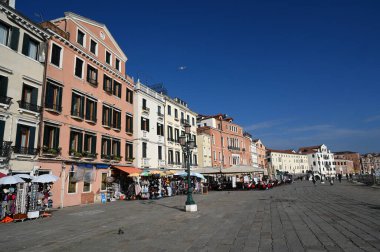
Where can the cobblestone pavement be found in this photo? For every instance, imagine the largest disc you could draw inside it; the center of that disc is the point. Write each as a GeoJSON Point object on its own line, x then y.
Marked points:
{"type": "Point", "coordinates": [297, 217]}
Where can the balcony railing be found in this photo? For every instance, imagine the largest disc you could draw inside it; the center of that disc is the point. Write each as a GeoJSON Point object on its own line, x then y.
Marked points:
{"type": "Point", "coordinates": [5, 100]}
{"type": "Point", "coordinates": [5, 148]}
{"type": "Point", "coordinates": [29, 106]}
{"type": "Point", "coordinates": [106, 157]}
{"type": "Point", "coordinates": [54, 107]}
{"type": "Point", "coordinates": [170, 139]}
{"type": "Point", "coordinates": [25, 150]}
{"type": "Point", "coordinates": [146, 109]}
{"type": "Point", "coordinates": [233, 148]}
{"type": "Point", "coordinates": [171, 163]}
{"type": "Point", "coordinates": [92, 81]}
{"type": "Point", "coordinates": [87, 154]}
{"type": "Point", "coordinates": [160, 114]}
{"type": "Point", "coordinates": [184, 121]}
{"type": "Point", "coordinates": [51, 151]}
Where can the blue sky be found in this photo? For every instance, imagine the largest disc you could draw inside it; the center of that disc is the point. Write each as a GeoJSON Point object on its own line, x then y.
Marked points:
{"type": "Point", "coordinates": [293, 73]}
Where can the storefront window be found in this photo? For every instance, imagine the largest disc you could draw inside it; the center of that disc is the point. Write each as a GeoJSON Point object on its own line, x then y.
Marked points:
{"type": "Point", "coordinates": [72, 188]}
{"type": "Point", "coordinates": [86, 186]}
{"type": "Point", "coordinates": [103, 185]}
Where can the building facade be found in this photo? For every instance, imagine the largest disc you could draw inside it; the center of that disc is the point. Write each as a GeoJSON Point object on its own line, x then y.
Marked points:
{"type": "Point", "coordinates": [204, 149]}
{"type": "Point", "coordinates": [320, 159]}
{"type": "Point", "coordinates": [149, 138]}
{"type": "Point", "coordinates": [229, 146]}
{"type": "Point", "coordinates": [261, 153]}
{"type": "Point", "coordinates": [349, 155]}
{"type": "Point", "coordinates": [287, 161]}
{"type": "Point", "coordinates": [87, 100]}
{"type": "Point", "coordinates": [344, 166]}
{"type": "Point", "coordinates": [22, 67]}
{"type": "Point", "coordinates": [370, 163]}
{"type": "Point", "coordinates": [177, 115]}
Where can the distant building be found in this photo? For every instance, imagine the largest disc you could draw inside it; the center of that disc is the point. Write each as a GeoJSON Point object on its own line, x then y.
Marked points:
{"type": "Point", "coordinates": [349, 155]}
{"type": "Point", "coordinates": [229, 146]}
{"type": "Point", "coordinates": [261, 153]}
{"type": "Point", "coordinates": [204, 149]}
{"type": "Point", "coordinates": [320, 159]}
{"type": "Point", "coordinates": [370, 162]}
{"type": "Point", "coordinates": [343, 166]}
{"type": "Point", "coordinates": [287, 161]}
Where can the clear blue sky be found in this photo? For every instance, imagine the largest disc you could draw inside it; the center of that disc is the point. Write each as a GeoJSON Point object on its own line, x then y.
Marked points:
{"type": "Point", "coordinates": [294, 73]}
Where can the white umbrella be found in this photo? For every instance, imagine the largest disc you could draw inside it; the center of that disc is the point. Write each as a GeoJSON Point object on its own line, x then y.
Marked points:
{"type": "Point", "coordinates": [46, 178]}
{"type": "Point", "coordinates": [11, 180]}
{"type": "Point", "coordinates": [24, 176]}
{"type": "Point", "coordinates": [193, 174]}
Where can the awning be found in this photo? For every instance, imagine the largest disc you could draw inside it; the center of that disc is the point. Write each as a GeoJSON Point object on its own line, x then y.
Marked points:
{"type": "Point", "coordinates": [2, 175]}
{"type": "Point", "coordinates": [242, 169]}
{"type": "Point", "coordinates": [127, 169]}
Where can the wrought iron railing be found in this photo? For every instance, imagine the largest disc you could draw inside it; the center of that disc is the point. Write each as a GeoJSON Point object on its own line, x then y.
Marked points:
{"type": "Point", "coordinates": [29, 106]}
{"type": "Point", "coordinates": [25, 150]}
{"type": "Point", "coordinates": [5, 100]}
{"type": "Point", "coordinates": [5, 148]}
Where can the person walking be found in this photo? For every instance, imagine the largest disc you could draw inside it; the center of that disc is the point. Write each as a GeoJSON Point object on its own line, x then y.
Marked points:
{"type": "Point", "coordinates": [340, 177]}
{"type": "Point", "coordinates": [314, 180]}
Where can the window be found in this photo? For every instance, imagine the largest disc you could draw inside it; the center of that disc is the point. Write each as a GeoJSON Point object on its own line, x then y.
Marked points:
{"type": "Point", "coordinates": [144, 107]}
{"type": "Point", "coordinates": [160, 129]}
{"type": "Point", "coordinates": [4, 90]}
{"type": "Point", "coordinates": [170, 133]}
{"type": "Point", "coordinates": [78, 67]}
{"type": "Point", "coordinates": [116, 119]}
{"type": "Point", "coordinates": [103, 182]}
{"type": "Point", "coordinates": [117, 89]}
{"type": "Point", "coordinates": [106, 116]}
{"type": "Point", "coordinates": [91, 110]}
{"type": "Point", "coordinates": [170, 157]}
{"type": "Point", "coordinates": [106, 148]}
{"type": "Point", "coordinates": [81, 38]}
{"type": "Point", "coordinates": [107, 84]}
{"type": "Point", "coordinates": [56, 55]}
{"type": "Point", "coordinates": [144, 124]}
{"type": "Point", "coordinates": [87, 180]}
{"type": "Point", "coordinates": [129, 96]}
{"type": "Point", "coordinates": [176, 135]}
{"type": "Point", "coordinates": [169, 110]}
{"type": "Point", "coordinates": [175, 113]}
{"type": "Point", "coordinates": [93, 47]}
{"type": "Point", "coordinates": [129, 123]}
{"type": "Point", "coordinates": [117, 65]}
{"type": "Point", "coordinates": [92, 75]}
{"type": "Point", "coordinates": [144, 147]}
{"type": "Point", "coordinates": [25, 137]}
{"type": "Point", "coordinates": [116, 149]}
{"type": "Point", "coordinates": [30, 47]}
{"type": "Point", "coordinates": [4, 34]}
{"type": "Point", "coordinates": [72, 187]}
{"type": "Point", "coordinates": [182, 116]}
{"type": "Point", "coordinates": [51, 138]}
{"type": "Point", "coordinates": [76, 142]}
{"type": "Point", "coordinates": [193, 121]}
{"type": "Point", "coordinates": [214, 156]}
{"type": "Point", "coordinates": [129, 151]}
{"type": "Point", "coordinates": [159, 111]}
{"type": "Point", "coordinates": [108, 58]}
{"type": "Point", "coordinates": [2, 127]}
{"type": "Point", "coordinates": [188, 118]}
{"type": "Point", "coordinates": [177, 157]}
{"type": "Point", "coordinates": [90, 144]}
{"type": "Point", "coordinates": [53, 97]}
{"type": "Point", "coordinates": [195, 160]}
{"type": "Point", "coordinates": [159, 152]}
{"type": "Point", "coordinates": [29, 97]}
{"type": "Point", "coordinates": [77, 105]}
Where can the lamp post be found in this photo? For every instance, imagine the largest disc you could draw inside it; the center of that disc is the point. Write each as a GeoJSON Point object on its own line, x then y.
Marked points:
{"type": "Point", "coordinates": [188, 144]}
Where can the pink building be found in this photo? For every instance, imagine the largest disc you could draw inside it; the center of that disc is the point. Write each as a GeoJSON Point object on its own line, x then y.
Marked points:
{"type": "Point", "coordinates": [87, 118]}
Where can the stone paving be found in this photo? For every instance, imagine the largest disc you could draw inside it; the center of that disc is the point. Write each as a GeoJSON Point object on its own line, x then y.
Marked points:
{"type": "Point", "coordinates": [297, 217]}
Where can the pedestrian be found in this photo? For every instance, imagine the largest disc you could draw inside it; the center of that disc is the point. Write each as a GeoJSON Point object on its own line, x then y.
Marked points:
{"type": "Point", "coordinates": [314, 180]}
{"type": "Point", "coordinates": [347, 176]}
{"type": "Point", "coordinates": [340, 177]}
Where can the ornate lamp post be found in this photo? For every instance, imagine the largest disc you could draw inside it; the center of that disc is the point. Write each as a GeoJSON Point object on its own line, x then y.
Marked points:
{"type": "Point", "coordinates": [188, 144]}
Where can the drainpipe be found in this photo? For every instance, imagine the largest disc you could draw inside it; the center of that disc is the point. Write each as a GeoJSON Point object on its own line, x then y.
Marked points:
{"type": "Point", "coordinates": [63, 181]}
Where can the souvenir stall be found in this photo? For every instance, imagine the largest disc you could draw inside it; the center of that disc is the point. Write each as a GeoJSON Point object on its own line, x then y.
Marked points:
{"type": "Point", "coordinates": [124, 186]}
{"type": "Point", "coordinates": [13, 198]}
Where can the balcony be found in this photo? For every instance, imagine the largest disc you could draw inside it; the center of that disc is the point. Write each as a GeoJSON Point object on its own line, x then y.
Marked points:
{"type": "Point", "coordinates": [25, 150]}
{"type": "Point", "coordinates": [116, 158]}
{"type": "Point", "coordinates": [159, 114]}
{"type": "Point", "coordinates": [170, 139]}
{"type": "Point", "coordinates": [5, 100]}
{"type": "Point", "coordinates": [170, 163]}
{"type": "Point", "coordinates": [53, 152]}
{"type": "Point", "coordinates": [233, 148]}
{"type": "Point", "coordinates": [29, 106]}
{"type": "Point", "coordinates": [89, 155]}
{"type": "Point", "coordinates": [5, 149]}
{"type": "Point", "coordinates": [75, 154]}
{"type": "Point", "coordinates": [53, 107]}
{"type": "Point", "coordinates": [106, 157]}
{"type": "Point", "coordinates": [184, 121]}
{"type": "Point", "coordinates": [146, 110]}
{"type": "Point", "coordinates": [92, 81]}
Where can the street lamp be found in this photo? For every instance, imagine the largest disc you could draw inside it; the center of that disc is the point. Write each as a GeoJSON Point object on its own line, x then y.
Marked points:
{"type": "Point", "coordinates": [188, 144]}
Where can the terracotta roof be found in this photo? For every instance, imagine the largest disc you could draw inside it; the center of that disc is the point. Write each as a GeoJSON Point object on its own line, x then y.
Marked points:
{"type": "Point", "coordinates": [309, 149]}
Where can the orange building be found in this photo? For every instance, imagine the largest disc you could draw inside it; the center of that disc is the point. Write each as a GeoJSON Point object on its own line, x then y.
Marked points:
{"type": "Point", "coordinates": [229, 146]}
{"type": "Point", "coordinates": [87, 117]}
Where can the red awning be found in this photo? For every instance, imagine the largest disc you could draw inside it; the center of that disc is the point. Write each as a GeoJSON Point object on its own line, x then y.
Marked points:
{"type": "Point", "coordinates": [127, 169]}
{"type": "Point", "coordinates": [2, 175]}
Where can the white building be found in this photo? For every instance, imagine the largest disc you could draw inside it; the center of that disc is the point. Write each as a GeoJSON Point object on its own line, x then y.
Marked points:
{"type": "Point", "coordinates": [255, 160]}
{"type": "Point", "coordinates": [320, 159]}
{"type": "Point", "coordinates": [287, 161]}
{"type": "Point", "coordinates": [177, 115]}
{"type": "Point", "coordinates": [149, 124]}
{"type": "Point", "coordinates": [204, 149]}
{"type": "Point", "coordinates": [22, 57]}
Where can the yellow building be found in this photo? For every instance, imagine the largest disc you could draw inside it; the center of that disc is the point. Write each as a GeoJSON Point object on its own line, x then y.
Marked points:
{"type": "Point", "coordinates": [204, 149]}
{"type": "Point", "coordinates": [287, 161]}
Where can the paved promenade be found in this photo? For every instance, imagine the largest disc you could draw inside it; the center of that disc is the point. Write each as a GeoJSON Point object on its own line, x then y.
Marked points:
{"type": "Point", "coordinates": [297, 217]}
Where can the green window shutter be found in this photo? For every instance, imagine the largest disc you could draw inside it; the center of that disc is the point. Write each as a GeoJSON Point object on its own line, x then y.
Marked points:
{"type": "Point", "coordinates": [95, 111]}
{"type": "Point", "coordinates": [3, 86]}
{"type": "Point", "coordinates": [59, 101]}
{"type": "Point", "coordinates": [88, 116]}
{"type": "Point", "coordinates": [32, 137]}
{"type": "Point", "coordinates": [72, 104]}
{"type": "Point", "coordinates": [82, 106]}
{"type": "Point", "coordinates": [34, 96]}
{"type": "Point", "coordinates": [56, 137]}
{"type": "Point", "coordinates": [93, 145]}
{"type": "Point", "coordinates": [80, 142]}
{"type": "Point", "coordinates": [108, 146]}
{"type": "Point", "coordinates": [15, 35]}
{"type": "Point", "coordinates": [86, 137]}
{"type": "Point", "coordinates": [147, 123]}
{"type": "Point", "coordinates": [46, 136]}
{"type": "Point", "coordinates": [109, 117]}
{"type": "Point", "coordinates": [2, 128]}
{"type": "Point", "coordinates": [25, 44]}
{"type": "Point", "coordinates": [49, 95]}
{"type": "Point", "coordinates": [18, 136]}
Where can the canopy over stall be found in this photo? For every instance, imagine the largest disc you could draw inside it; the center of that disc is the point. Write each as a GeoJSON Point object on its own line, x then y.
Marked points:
{"type": "Point", "coordinates": [127, 169]}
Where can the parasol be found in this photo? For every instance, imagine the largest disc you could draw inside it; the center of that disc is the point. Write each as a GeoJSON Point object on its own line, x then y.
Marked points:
{"type": "Point", "coordinates": [11, 180]}
{"type": "Point", "coordinates": [46, 178]}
